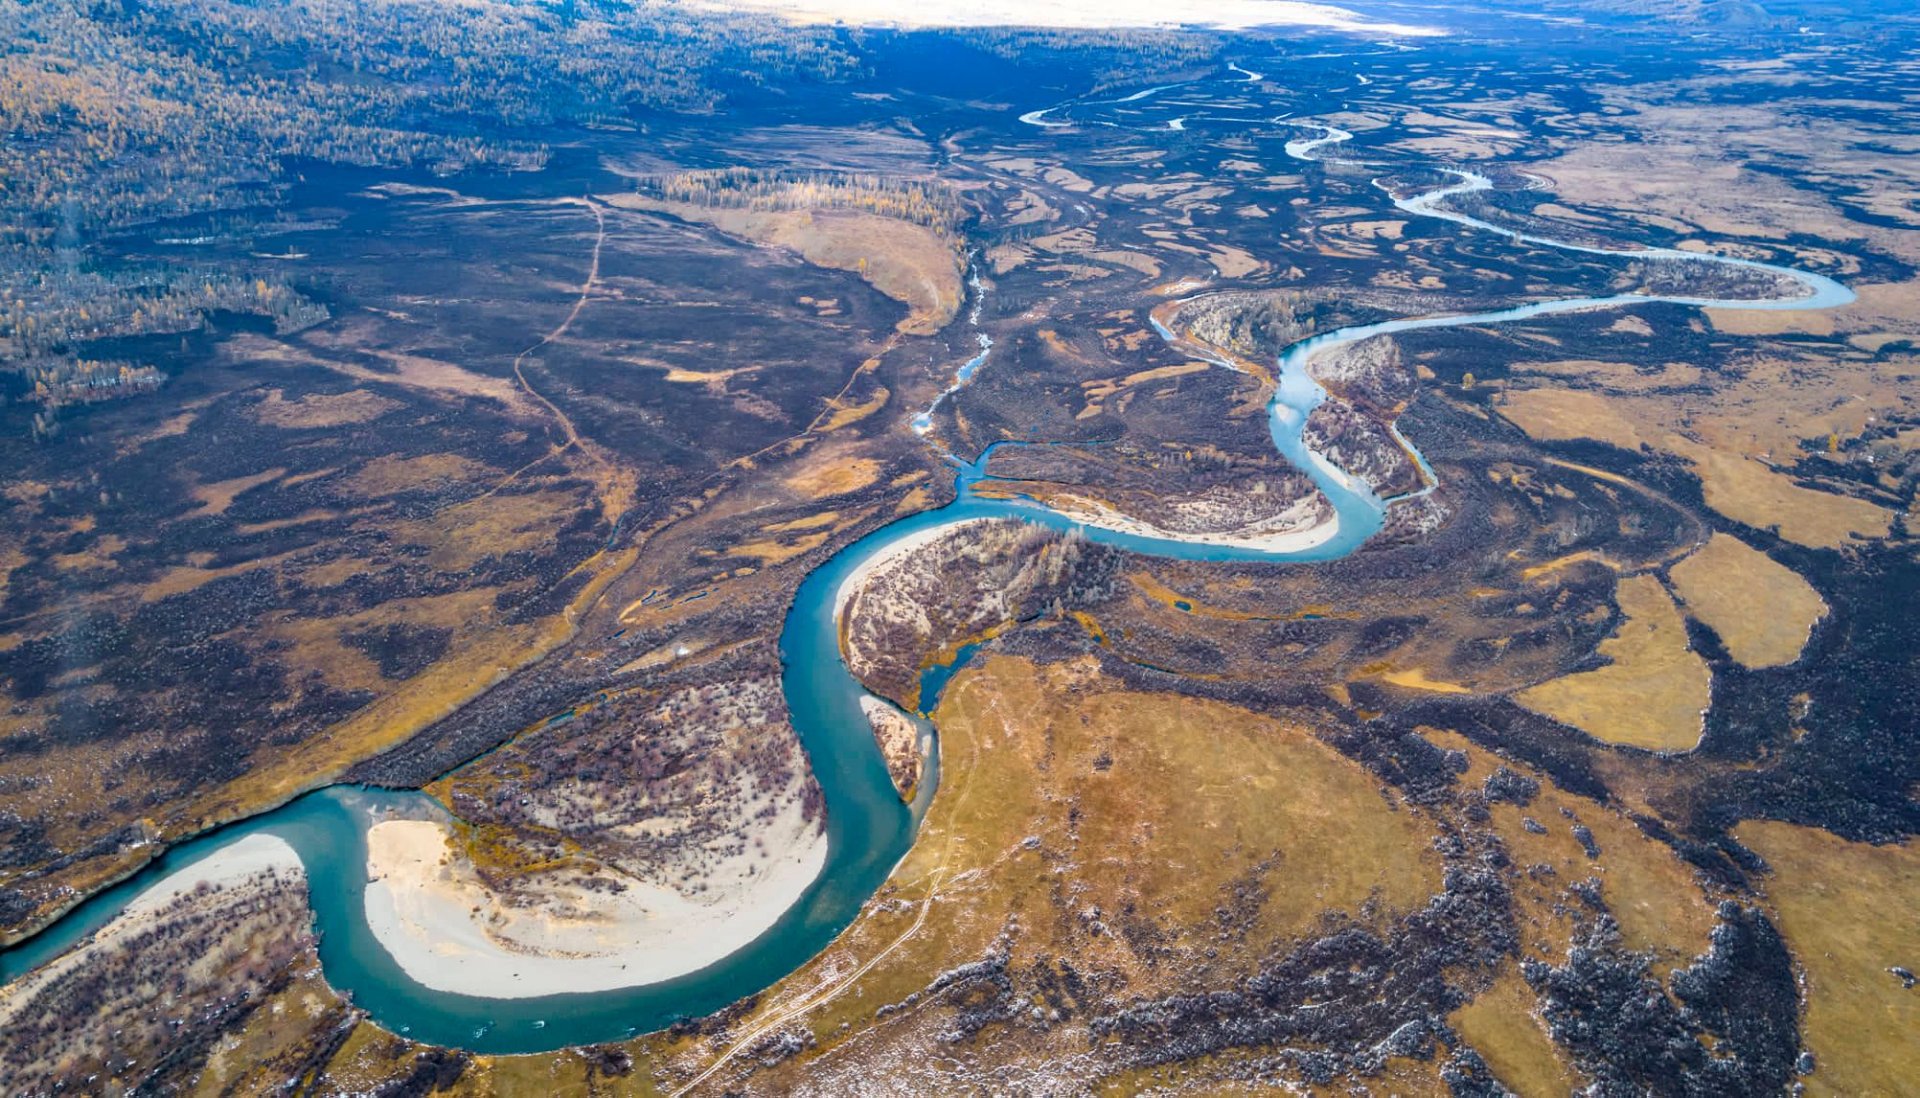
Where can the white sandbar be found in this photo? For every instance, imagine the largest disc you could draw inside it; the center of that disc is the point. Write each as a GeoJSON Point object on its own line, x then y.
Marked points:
{"type": "Point", "coordinates": [450, 933]}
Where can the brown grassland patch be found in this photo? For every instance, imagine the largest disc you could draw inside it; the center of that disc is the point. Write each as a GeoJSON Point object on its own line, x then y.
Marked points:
{"type": "Point", "coordinates": [1737, 486]}
{"type": "Point", "coordinates": [1624, 377]}
{"type": "Point", "coordinates": [95, 557]}
{"type": "Point", "coordinates": [350, 338]}
{"type": "Point", "coordinates": [1557, 415]}
{"type": "Point", "coordinates": [835, 476]}
{"type": "Point", "coordinates": [492, 526]}
{"type": "Point", "coordinates": [907, 262]}
{"type": "Point", "coordinates": [1654, 895]}
{"type": "Point", "coordinates": [1415, 678]}
{"type": "Point", "coordinates": [322, 409]}
{"type": "Point", "coordinates": [807, 522]}
{"type": "Point", "coordinates": [1748, 491]}
{"type": "Point", "coordinates": [1850, 911]}
{"type": "Point", "coordinates": [219, 495]}
{"type": "Point", "coordinates": [187, 577]}
{"type": "Point", "coordinates": [1177, 799]}
{"type": "Point", "coordinates": [772, 551]}
{"type": "Point", "coordinates": [1062, 793]}
{"type": "Point", "coordinates": [484, 652]}
{"type": "Point", "coordinates": [388, 475]}
{"type": "Point", "coordinates": [1503, 1026]}
{"type": "Point", "coordinates": [1653, 692]}
{"type": "Point", "coordinates": [842, 413]}
{"type": "Point", "coordinates": [1762, 610]}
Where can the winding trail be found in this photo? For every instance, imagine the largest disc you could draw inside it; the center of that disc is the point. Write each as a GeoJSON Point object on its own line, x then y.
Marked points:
{"type": "Point", "coordinates": [822, 996]}
{"type": "Point", "coordinates": [586, 293]}
{"type": "Point", "coordinates": [614, 501]}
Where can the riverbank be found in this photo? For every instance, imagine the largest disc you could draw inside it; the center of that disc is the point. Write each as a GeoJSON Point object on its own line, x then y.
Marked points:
{"type": "Point", "coordinates": [449, 932]}
{"type": "Point", "coordinates": [252, 862]}
{"type": "Point", "coordinates": [1279, 534]}
{"type": "Point", "coordinates": [892, 551]}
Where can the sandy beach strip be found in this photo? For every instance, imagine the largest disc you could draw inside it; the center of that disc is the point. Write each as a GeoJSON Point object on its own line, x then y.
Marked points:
{"type": "Point", "coordinates": [228, 867]}
{"type": "Point", "coordinates": [449, 933]}
{"type": "Point", "coordinates": [889, 552]}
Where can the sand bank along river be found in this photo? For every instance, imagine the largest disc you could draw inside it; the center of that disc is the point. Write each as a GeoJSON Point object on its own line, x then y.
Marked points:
{"type": "Point", "coordinates": [407, 952]}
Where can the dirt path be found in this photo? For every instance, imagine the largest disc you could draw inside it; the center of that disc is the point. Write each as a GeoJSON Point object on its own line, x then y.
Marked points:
{"type": "Point", "coordinates": [616, 484]}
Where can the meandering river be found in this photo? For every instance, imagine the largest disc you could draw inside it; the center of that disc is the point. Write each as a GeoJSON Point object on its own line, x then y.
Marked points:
{"type": "Point", "coordinates": [869, 830]}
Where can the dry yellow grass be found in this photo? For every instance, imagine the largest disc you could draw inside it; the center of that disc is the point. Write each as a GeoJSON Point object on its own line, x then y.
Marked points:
{"type": "Point", "coordinates": [387, 475]}
{"type": "Point", "coordinates": [336, 572]}
{"type": "Point", "coordinates": [1757, 322]}
{"type": "Point", "coordinates": [96, 557]}
{"type": "Point", "coordinates": [773, 552]}
{"type": "Point", "coordinates": [1234, 262]}
{"type": "Point", "coordinates": [219, 495]}
{"type": "Point", "coordinates": [1654, 895]}
{"type": "Point", "coordinates": [187, 577]}
{"type": "Point", "coordinates": [1653, 693]}
{"type": "Point", "coordinates": [356, 338]}
{"type": "Point", "coordinates": [1224, 788]}
{"type": "Point", "coordinates": [1850, 911]}
{"type": "Point", "coordinates": [1748, 491]}
{"type": "Point", "coordinates": [841, 413]}
{"type": "Point", "coordinates": [808, 522]}
{"type": "Point", "coordinates": [834, 477]}
{"type": "Point", "coordinates": [1556, 415]}
{"type": "Point", "coordinates": [322, 409]}
{"type": "Point", "coordinates": [1764, 414]}
{"type": "Point", "coordinates": [1159, 804]}
{"type": "Point", "coordinates": [1623, 377]}
{"type": "Point", "coordinates": [918, 499]}
{"type": "Point", "coordinates": [461, 536]}
{"type": "Point", "coordinates": [316, 644]}
{"type": "Point", "coordinates": [909, 263]}
{"type": "Point", "coordinates": [1762, 610]}
{"type": "Point", "coordinates": [1547, 568]}
{"type": "Point", "coordinates": [249, 529]}
{"type": "Point", "coordinates": [1415, 678]}
{"type": "Point", "coordinates": [486, 655]}
{"type": "Point", "coordinates": [1502, 1026]}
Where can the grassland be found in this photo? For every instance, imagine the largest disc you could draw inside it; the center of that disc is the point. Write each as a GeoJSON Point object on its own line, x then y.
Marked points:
{"type": "Point", "coordinates": [1652, 692]}
{"type": "Point", "coordinates": [1851, 913]}
{"type": "Point", "coordinates": [1134, 840]}
{"type": "Point", "coordinates": [1761, 609]}
{"type": "Point", "coordinates": [1736, 485]}
{"type": "Point", "coordinates": [911, 263]}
